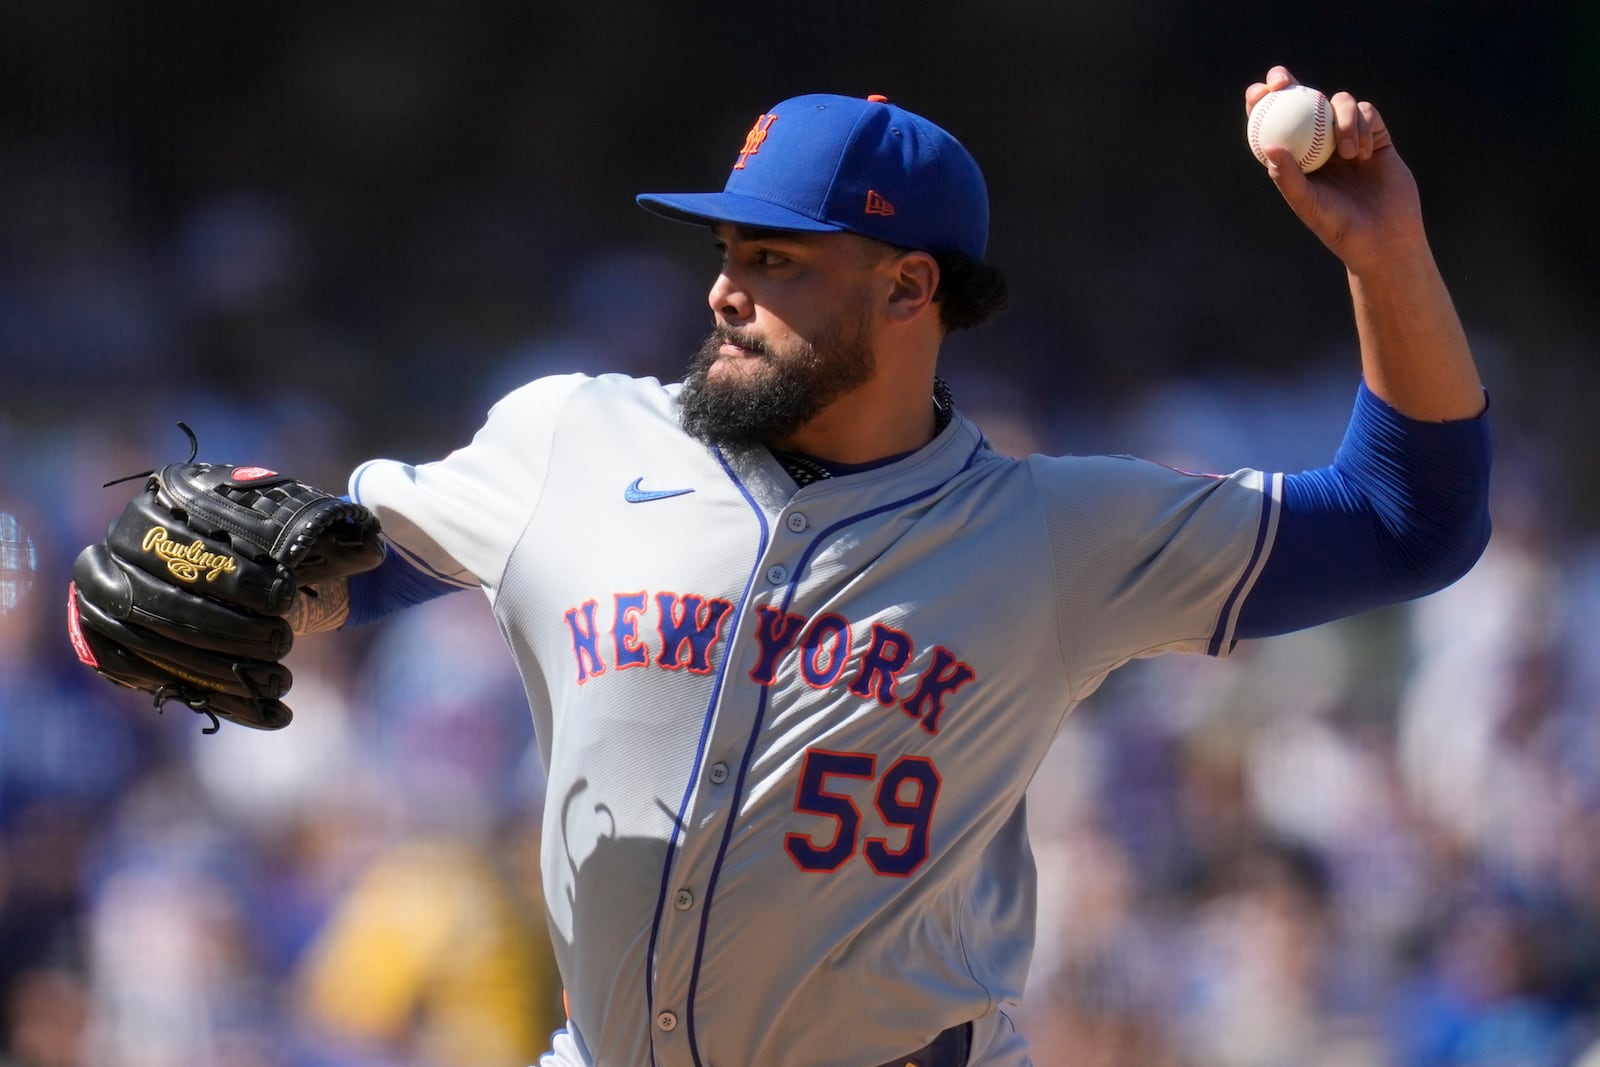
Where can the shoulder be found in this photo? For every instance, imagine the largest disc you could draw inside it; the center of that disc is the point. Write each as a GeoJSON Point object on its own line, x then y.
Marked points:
{"type": "Point", "coordinates": [550, 394]}
{"type": "Point", "coordinates": [546, 409]}
{"type": "Point", "coordinates": [1125, 496]}
{"type": "Point", "coordinates": [1115, 474]}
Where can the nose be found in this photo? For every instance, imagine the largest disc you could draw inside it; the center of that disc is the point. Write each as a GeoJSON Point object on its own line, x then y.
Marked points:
{"type": "Point", "coordinates": [729, 303]}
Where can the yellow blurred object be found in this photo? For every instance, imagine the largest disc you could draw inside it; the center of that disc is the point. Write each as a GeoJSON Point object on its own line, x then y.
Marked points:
{"type": "Point", "coordinates": [431, 951]}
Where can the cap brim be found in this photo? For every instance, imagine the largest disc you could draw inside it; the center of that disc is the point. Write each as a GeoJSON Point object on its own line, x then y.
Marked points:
{"type": "Point", "coordinates": [706, 208]}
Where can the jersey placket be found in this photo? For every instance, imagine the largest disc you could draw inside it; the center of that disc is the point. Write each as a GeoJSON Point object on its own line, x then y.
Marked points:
{"type": "Point", "coordinates": [707, 823]}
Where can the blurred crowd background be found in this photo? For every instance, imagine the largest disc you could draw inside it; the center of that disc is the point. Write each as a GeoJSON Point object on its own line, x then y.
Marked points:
{"type": "Point", "coordinates": [323, 232]}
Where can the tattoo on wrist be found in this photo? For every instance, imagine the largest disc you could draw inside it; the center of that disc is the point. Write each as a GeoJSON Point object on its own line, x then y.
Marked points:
{"type": "Point", "coordinates": [320, 607]}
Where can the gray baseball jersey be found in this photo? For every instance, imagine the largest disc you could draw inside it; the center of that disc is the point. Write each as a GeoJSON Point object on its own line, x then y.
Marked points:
{"type": "Point", "coordinates": [788, 731]}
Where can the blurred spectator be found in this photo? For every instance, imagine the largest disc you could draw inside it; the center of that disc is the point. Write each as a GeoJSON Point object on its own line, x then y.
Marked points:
{"type": "Point", "coordinates": [429, 961]}
{"type": "Point", "coordinates": [45, 1015]}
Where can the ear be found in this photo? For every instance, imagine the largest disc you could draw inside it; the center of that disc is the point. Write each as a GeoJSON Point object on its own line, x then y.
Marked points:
{"type": "Point", "coordinates": [915, 280]}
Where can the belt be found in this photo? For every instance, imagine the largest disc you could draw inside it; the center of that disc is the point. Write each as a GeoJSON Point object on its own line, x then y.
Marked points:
{"type": "Point", "coordinates": [949, 1049]}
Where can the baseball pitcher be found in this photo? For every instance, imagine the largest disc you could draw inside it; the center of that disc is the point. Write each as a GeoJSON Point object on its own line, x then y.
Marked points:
{"type": "Point", "coordinates": [793, 636]}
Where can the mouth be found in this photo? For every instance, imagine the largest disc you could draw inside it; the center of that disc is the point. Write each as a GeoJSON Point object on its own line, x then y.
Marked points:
{"type": "Point", "coordinates": [735, 346]}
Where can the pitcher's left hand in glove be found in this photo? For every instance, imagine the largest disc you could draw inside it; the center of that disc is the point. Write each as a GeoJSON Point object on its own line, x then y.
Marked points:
{"type": "Point", "coordinates": [186, 597]}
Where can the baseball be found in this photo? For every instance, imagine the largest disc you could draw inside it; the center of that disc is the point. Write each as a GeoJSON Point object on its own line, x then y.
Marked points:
{"type": "Point", "coordinates": [1297, 117]}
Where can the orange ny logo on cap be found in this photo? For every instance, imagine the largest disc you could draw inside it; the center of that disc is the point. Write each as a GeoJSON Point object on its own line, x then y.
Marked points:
{"type": "Point", "coordinates": [753, 139]}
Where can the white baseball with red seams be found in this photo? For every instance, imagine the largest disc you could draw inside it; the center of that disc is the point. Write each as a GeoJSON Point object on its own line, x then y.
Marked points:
{"type": "Point", "coordinates": [1297, 117]}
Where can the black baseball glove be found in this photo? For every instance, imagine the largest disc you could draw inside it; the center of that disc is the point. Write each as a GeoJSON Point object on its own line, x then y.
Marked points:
{"type": "Point", "coordinates": [186, 597]}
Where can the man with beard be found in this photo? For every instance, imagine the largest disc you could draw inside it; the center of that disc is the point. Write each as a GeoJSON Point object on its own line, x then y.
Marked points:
{"type": "Point", "coordinates": [795, 639]}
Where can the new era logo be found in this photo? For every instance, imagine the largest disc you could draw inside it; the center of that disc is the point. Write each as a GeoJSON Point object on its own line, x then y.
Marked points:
{"type": "Point", "coordinates": [877, 205]}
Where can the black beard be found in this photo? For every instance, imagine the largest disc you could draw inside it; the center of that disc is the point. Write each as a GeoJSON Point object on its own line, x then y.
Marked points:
{"type": "Point", "coordinates": [796, 385]}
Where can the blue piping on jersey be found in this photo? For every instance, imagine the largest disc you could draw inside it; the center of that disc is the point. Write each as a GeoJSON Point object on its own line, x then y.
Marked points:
{"type": "Point", "coordinates": [1226, 619]}
{"type": "Point", "coordinates": [755, 729]}
{"type": "Point", "coordinates": [694, 779]}
{"type": "Point", "coordinates": [355, 483]}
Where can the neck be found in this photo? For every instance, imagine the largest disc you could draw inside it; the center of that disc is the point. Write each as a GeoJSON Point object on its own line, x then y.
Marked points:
{"type": "Point", "coordinates": [880, 419]}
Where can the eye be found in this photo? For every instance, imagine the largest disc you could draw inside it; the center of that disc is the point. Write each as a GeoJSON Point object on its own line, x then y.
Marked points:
{"type": "Point", "coordinates": [751, 256]}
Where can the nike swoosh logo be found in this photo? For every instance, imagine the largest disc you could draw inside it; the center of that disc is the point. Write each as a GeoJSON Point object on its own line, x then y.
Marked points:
{"type": "Point", "coordinates": [635, 495]}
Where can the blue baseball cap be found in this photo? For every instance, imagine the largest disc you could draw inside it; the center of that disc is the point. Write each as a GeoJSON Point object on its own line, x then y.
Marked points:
{"type": "Point", "coordinates": [825, 164]}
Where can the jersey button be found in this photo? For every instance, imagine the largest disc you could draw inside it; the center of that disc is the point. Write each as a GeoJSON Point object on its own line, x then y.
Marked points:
{"type": "Point", "coordinates": [683, 900]}
{"type": "Point", "coordinates": [797, 521]}
{"type": "Point", "coordinates": [777, 574]}
{"type": "Point", "coordinates": [665, 1020]}
{"type": "Point", "coordinates": [719, 773]}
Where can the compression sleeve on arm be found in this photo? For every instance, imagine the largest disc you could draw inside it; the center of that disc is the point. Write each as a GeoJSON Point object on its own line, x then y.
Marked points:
{"type": "Point", "coordinates": [1401, 512]}
{"type": "Point", "coordinates": [396, 583]}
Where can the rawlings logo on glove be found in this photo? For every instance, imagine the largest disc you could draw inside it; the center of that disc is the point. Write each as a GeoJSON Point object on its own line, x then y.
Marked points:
{"type": "Point", "coordinates": [185, 598]}
{"type": "Point", "coordinates": [187, 562]}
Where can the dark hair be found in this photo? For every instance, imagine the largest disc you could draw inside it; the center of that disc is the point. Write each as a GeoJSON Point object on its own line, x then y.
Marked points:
{"type": "Point", "coordinates": [969, 292]}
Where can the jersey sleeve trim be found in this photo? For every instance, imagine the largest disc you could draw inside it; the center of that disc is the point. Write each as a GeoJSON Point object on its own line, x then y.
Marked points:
{"type": "Point", "coordinates": [1271, 510]}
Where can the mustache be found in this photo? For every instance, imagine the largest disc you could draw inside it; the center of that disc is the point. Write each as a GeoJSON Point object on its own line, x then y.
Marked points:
{"type": "Point", "coordinates": [723, 334]}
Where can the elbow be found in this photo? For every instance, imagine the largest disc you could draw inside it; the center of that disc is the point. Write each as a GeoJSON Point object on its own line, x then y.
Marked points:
{"type": "Point", "coordinates": [1453, 551]}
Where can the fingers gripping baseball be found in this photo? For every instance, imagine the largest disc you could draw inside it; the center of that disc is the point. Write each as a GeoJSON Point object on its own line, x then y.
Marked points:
{"type": "Point", "coordinates": [185, 598]}
{"type": "Point", "coordinates": [1362, 202]}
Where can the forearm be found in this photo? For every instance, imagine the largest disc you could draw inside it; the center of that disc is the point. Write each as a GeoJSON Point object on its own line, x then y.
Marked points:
{"type": "Point", "coordinates": [324, 606]}
{"type": "Point", "coordinates": [1364, 206]}
{"type": "Point", "coordinates": [1414, 352]}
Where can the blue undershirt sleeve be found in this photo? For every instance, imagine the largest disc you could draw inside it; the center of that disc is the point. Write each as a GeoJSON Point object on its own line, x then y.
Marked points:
{"type": "Point", "coordinates": [1401, 512]}
{"type": "Point", "coordinates": [393, 585]}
